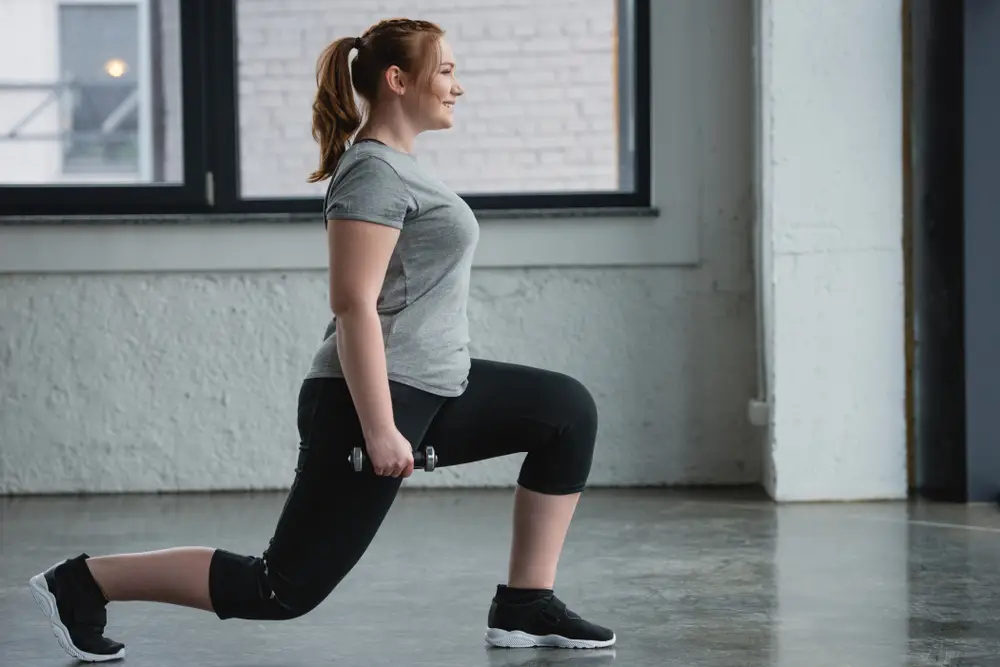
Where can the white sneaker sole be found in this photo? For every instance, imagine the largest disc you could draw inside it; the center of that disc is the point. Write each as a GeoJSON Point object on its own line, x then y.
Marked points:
{"type": "Point", "coordinates": [518, 639]}
{"type": "Point", "coordinates": [47, 603]}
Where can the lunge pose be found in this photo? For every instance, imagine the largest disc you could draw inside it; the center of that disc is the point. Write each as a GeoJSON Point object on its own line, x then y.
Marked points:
{"type": "Point", "coordinates": [393, 376]}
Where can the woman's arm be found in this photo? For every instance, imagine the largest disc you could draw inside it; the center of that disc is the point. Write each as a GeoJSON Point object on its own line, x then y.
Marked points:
{"type": "Point", "coordinates": [359, 256]}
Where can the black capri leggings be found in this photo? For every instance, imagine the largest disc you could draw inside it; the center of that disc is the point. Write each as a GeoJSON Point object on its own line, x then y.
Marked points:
{"type": "Point", "coordinates": [332, 513]}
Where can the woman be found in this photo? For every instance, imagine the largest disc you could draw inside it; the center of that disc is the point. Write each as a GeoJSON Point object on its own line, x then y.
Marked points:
{"type": "Point", "coordinates": [393, 374]}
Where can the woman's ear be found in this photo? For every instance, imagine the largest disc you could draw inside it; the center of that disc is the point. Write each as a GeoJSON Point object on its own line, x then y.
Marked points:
{"type": "Point", "coordinates": [395, 78]}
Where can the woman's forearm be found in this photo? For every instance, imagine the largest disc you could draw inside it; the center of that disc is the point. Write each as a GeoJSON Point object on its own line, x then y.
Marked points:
{"type": "Point", "coordinates": [362, 358]}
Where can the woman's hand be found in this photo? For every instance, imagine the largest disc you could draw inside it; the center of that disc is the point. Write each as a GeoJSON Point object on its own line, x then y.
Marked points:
{"type": "Point", "coordinates": [390, 454]}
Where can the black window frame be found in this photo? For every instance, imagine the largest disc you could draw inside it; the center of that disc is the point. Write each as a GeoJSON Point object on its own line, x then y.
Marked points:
{"type": "Point", "coordinates": [211, 155]}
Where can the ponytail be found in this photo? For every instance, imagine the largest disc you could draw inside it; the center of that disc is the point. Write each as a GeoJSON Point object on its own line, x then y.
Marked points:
{"type": "Point", "coordinates": [336, 117]}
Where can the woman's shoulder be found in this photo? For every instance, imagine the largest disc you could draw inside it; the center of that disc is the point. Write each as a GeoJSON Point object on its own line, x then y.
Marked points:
{"type": "Point", "coordinates": [374, 160]}
{"type": "Point", "coordinates": [370, 183]}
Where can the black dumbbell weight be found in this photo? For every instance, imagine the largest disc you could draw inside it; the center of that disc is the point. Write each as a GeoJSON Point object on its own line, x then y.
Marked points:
{"type": "Point", "coordinates": [426, 462]}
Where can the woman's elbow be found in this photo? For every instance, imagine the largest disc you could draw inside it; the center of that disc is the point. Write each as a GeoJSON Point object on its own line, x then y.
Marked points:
{"type": "Point", "coordinates": [349, 305]}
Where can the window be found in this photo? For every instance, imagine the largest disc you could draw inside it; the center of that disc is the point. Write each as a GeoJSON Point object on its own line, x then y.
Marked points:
{"type": "Point", "coordinates": [82, 94]}
{"type": "Point", "coordinates": [160, 106]}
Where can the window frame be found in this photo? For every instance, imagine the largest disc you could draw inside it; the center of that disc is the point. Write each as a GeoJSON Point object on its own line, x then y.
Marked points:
{"type": "Point", "coordinates": [210, 137]}
{"type": "Point", "coordinates": [191, 196]}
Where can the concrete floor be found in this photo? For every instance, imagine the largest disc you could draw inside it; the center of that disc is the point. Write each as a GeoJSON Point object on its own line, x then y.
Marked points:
{"type": "Point", "coordinates": [684, 578]}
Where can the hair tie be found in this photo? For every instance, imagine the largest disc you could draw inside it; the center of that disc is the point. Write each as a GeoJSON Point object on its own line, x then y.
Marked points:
{"type": "Point", "coordinates": [358, 43]}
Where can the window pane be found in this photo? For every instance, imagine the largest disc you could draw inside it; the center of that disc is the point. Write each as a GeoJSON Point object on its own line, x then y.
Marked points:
{"type": "Point", "coordinates": [98, 52]}
{"type": "Point", "coordinates": [543, 111]}
{"type": "Point", "coordinates": [90, 92]}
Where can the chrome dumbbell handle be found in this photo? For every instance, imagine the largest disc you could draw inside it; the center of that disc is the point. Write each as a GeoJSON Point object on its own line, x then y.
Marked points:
{"type": "Point", "coordinates": [426, 461]}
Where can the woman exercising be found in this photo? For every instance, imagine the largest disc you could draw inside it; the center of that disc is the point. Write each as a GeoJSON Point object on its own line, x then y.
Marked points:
{"type": "Point", "coordinates": [393, 375]}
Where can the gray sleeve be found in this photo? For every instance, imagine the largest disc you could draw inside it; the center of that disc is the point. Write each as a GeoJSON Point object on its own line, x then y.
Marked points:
{"type": "Point", "coordinates": [369, 190]}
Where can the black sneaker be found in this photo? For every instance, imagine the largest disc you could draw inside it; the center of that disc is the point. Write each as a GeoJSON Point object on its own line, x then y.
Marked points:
{"type": "Point", "coordinates": [524, 619]}
{"type": "Point", "coordinates": [71, 599]}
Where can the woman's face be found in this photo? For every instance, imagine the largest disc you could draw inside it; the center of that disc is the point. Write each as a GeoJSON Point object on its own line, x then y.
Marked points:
{"type": "Point", "coordinates": [435, 111]}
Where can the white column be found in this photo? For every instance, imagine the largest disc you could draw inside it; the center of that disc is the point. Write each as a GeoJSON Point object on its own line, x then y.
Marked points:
{"type": "Point", "coordinates": [830, 264]}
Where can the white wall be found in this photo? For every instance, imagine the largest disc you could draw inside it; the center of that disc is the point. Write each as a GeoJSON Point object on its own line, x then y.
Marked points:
{"type": "Point", "coordinates": [831, 167]}
{"type": "Point", "coordinates": [119, 378]}
{"type": "Point", "coordinates": [168, 357]}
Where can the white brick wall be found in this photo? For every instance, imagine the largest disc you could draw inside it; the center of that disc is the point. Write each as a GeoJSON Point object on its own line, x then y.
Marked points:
{"type": "Point", "coordinates": [540, 81]}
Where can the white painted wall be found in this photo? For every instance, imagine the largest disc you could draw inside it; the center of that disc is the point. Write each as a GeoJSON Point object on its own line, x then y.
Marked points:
{"type": "Point", "coordinates": [138, 382]}
{"type": "Point", "coordinates": [167, 359]}
{"type": "Point", "coordinates": [116, 377]}
{"type": "Point", "coordinates": [831, 166]}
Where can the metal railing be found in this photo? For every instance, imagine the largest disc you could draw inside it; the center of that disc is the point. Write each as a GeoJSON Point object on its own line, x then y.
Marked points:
{"type": "Point", "coordinates": [67, 95]}
{"type": "Point", "coordinates": [99, 142]}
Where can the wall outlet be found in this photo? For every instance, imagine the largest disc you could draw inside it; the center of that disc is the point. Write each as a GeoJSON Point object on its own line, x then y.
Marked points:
{"type": "Point", "coordinates": [759, 412]}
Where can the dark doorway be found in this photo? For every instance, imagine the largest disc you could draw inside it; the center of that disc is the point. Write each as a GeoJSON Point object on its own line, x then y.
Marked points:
{"type": "Point", "coordinates": [955, 244]}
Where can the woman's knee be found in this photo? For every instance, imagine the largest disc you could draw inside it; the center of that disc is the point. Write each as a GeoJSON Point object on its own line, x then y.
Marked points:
{"type": "Point", "coordinates": [563, 466]}
{"type": "Point", "coordinates": [246, 587]}
{"type": "Point", "coordinates": [579, 410]}
{"type": "Point", "coordinates": [587, 407]}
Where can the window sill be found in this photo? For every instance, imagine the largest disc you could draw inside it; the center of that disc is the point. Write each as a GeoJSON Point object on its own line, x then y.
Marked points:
{"type": "Point", "coordinates": [279, 242]}
{"type": "Point", "coordinates": [308, 218]}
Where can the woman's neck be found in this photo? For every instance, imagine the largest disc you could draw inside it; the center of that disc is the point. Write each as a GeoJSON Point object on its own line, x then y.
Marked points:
{"type": "Point", "coordinates": [394, 133]}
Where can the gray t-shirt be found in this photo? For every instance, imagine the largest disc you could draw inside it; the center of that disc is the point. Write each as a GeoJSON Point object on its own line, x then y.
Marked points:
{"type": "Point", "coordinates": [422, 304]}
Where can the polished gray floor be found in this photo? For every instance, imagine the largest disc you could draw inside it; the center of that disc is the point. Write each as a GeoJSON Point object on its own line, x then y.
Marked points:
{"type": "Point", "coordinates": [687, 579]}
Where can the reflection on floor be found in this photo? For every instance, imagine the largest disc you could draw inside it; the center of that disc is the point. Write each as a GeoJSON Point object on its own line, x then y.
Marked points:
{"type": "Point", "coordinates": [689, 579]}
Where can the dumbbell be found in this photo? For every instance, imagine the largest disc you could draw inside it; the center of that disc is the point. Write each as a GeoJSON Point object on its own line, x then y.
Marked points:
{"type": "Point", "coordinates": [426, 461]}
